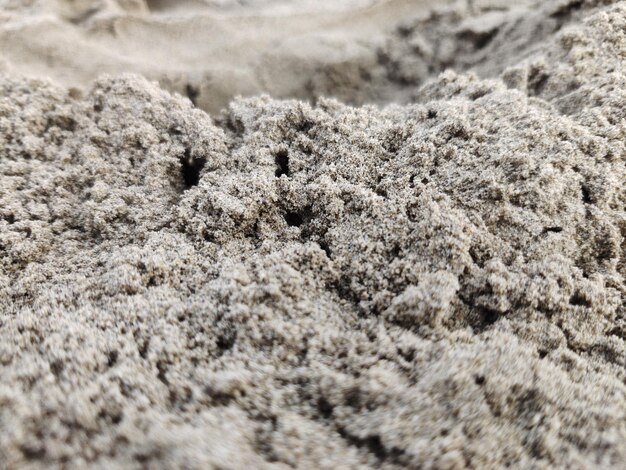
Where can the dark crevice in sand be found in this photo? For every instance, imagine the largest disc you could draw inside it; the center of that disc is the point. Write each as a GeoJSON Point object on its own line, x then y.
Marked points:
{"type": "Point", "coordinates": [191, 169]}
{"type": "Point", "coordinates": [282, 163]}
{"type": "Point", "coordinates": [294, 219]}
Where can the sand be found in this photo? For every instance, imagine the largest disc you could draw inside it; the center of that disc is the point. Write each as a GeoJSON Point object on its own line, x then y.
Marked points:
{"type": "Point", "coordinates": [211, 51]}
{"type": "Point", "coordinates": [319, 281]}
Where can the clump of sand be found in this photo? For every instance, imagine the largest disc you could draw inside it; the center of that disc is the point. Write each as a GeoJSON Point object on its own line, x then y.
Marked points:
{"type": "Point", "coordinates": [430, 285]}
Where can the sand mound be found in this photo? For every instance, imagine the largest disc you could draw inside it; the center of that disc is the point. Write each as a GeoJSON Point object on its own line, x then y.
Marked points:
{"type": "Point", "coordinates": [430, 285]}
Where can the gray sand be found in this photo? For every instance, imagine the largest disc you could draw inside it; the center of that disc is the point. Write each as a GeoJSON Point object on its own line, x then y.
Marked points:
{"type": "Point", "coordinates": [437, 284]}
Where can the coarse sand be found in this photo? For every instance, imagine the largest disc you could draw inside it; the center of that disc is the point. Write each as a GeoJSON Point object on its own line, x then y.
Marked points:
{"type": "Point", "coordinates": [437, 283]}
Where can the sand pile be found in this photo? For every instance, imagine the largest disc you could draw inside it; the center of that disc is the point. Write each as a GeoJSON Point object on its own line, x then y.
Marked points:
{"type": "Point", "coordinates": [434, 284]}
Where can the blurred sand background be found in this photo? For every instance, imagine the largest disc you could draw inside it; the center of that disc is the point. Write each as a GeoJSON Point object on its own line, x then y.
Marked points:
{"type": "Point", "coordinates": [209, 50]}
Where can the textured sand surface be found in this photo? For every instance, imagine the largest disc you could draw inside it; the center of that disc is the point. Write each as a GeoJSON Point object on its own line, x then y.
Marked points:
{"type": "Point", "coordinates": [435, 284]}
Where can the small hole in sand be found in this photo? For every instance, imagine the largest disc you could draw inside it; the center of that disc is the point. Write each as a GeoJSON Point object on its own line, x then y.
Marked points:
{"type": "Point", "coordinates": [112, 358]}
{"type": "Point", "coordinates": [489, 316]}
{"type": "Point", "coordinates": [293, 219]}
{"type": "Point", "coordinates": [57, 367]}
{"type": "Point", "coordinates": [579, 301]}
{"type": "Point", "coordinates": [408, 355]}
{"type": "Point", "coordinates": [191, 169]}
{"type": "Point", "coordinates": [305, 126]}
{"type": "Point", "coordinates": [227, 341]}
{"type": "Point", "coordinates": [325, 408]}
{"type": "Point", "coordinates": [282, 163]}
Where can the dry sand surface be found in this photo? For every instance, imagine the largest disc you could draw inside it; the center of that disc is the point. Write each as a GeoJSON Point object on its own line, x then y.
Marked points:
{"type": "Point", "coordinates": [409, 253]}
